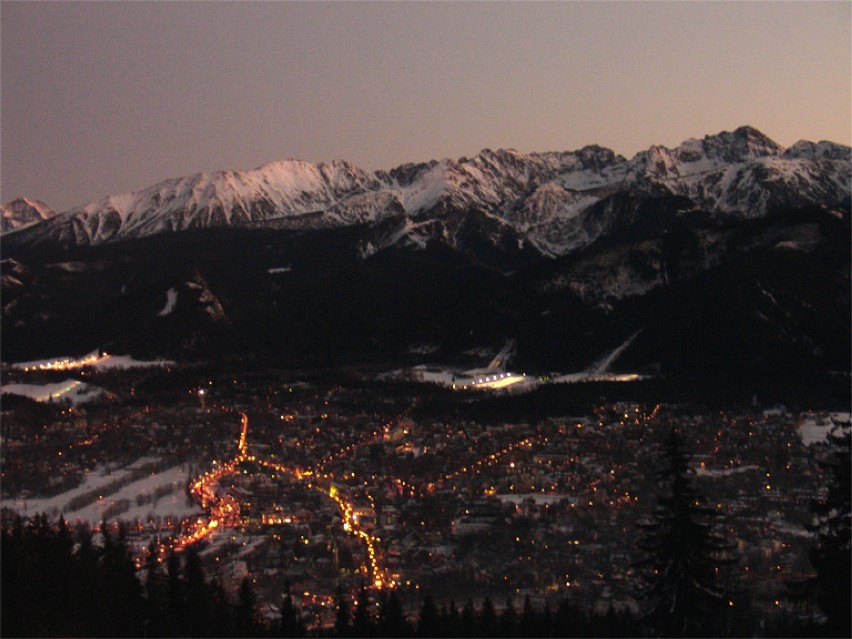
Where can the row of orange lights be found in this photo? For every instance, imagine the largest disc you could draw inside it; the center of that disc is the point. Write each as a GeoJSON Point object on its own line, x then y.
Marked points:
{"type": "Point", "coordinates": [201, 489]}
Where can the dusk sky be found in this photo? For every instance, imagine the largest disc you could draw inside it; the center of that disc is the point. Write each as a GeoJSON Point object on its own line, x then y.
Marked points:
{"type": "Point", "coordinates": [109, 97]}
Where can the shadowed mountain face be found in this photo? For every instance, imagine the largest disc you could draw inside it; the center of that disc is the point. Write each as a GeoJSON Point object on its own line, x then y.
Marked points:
{"type": "Point", "coordinates": [729, 256]}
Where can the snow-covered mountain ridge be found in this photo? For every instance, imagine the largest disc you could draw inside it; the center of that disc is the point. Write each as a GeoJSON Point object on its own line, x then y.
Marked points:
{"type": "Point", "coordinates": [23, 212]}
{"type": "Point", "coordinates": [554, 201]}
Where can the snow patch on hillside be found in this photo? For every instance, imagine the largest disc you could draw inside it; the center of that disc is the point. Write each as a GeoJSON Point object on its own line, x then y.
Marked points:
{"type": "Point", "coordinates": [724, 472]}
{"type": "Point", "coordinates": [171, 301]}
{"type": "Point", "coordinates": [134, 501]}
{"type": "Point", "coordinates": [815, 429]}
{"type": "Point", "coordinates": [126, 361]}
{"type": "Point", "coordinates": [69, 390]}
{"type": "Point", "coordinates": [424, 193]}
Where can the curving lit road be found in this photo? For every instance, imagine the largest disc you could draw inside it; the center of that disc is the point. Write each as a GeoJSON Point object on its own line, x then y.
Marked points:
{"type": "Point", "coordinates": [224, 510]}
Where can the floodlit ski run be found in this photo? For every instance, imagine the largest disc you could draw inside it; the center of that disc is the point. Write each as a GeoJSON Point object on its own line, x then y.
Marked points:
{"type": "Point", "coordinates": [65, 364]}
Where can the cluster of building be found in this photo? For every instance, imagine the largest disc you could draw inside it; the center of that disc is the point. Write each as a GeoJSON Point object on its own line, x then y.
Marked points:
{"type": "Point", "coordinates": [339, 487]}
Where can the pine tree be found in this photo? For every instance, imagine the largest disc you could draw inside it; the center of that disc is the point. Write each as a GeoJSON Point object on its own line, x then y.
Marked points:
{"type": "Point", "coordinates": [614, 623]}
{"type": "Point", "coordinates": [428, 624]}
{"type": "Point", "coordinates": [89, 580]}
{"type": "Point", "coordinates": [175, 623]}
{"type": "Point", "coordinates": [487, 621]}
{"type": "Point", "coordinates": [544, 627]}
{"type": "Point", "coordinates": [527, 626]}
{"type": "Point", "coordinates": [831, 557]}
{"type": "Point", "coordinates": [683, 552]}
{"type": "Point", "coordinates": [509, 620]}
{"type": "Point", "coordinates": [156, 607]}
{"type": "Point", "coordinates": [122, 592]}
{"type": "Point", "coordinates": [392, 622]}
{"type": "Point", "coordinates": [444, 622]}
{"type": "Point", "coordinates": [341, 617]}
{"type": "Point", "coordinates": [291, 618]}
{"type": "Point", "coordinates": [221, 618]}
{"type": "Point", "coordinates": [362, 621]}
{"type": "Point", "coordinates": [467, 623]}
{"type": "Point", "coordinates": [569, 621]}
{"type": "Point", "coordinates": [63, 568]}
{"type": "Point", "coordinates": [13, 585]}
{"type": "Point", "coordinates": [453, 625]}
{"type": "Point", "coordinates": [197, 596]}
{"type": "Point", "coordinates": [246, 613]}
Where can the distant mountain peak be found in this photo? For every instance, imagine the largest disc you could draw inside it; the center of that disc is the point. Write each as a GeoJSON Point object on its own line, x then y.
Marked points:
{"type": "Point", "coordinates": [746, 142]}
{"type": "Point", "coordinates": [23, 212]}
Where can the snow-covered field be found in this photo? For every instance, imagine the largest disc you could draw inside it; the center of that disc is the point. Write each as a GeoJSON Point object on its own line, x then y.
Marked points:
{"type": "Point", "coordinates": [174, 504]}
{"type": "Point", "coordinates": [101, 494]}
{"type": "Point", "coordinates": [815, 429]}
{"type": "Point", "coordinates": [71, 390]}
{"type": "Point", "coordinates": [126, 361]}
{"type": "Point", "coordinates": [724, 472]}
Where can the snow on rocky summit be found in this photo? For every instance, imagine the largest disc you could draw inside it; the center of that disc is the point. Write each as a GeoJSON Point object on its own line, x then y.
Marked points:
{"type": "Point", "coordinates": [23, 212]}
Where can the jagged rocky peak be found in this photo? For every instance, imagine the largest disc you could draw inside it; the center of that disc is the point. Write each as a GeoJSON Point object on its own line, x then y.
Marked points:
{"type": "Point", "coordinates": [501, 157]}
{"type": "Point", "coordinates": [23, 212]}
{"type": "Point", "coordinates": [822, 150]}
{"type": "Point", "coordinates": [598, 157]}
{"type": "Point", "coordinates": [744, 143]}
{"type": "Point", "coordinates": [662, 162]}
{"type": "Point", "coordinates": [407, 173]}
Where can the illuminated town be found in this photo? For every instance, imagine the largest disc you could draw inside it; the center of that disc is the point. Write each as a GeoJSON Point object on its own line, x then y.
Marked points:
{"type": "Point", "coordinates": [316, 487]}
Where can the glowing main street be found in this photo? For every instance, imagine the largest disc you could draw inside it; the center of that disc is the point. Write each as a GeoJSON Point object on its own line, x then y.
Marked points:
{"type": "Point", "coordinates": [224, 511]}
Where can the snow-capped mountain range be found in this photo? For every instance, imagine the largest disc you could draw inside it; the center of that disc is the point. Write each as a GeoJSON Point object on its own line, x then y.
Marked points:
{"type": "Point", "coordinates": [555, 202]}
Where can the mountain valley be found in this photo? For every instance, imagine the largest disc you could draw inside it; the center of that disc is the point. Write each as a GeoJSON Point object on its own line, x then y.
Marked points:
{"type": "Point", "coordinates": [729, 256]}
